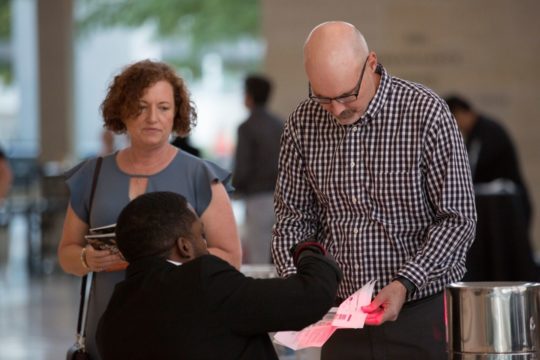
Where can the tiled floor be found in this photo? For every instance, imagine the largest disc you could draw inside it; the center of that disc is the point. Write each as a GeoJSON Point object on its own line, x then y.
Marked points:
{"type": "Point", "coordinates": [38, 313]}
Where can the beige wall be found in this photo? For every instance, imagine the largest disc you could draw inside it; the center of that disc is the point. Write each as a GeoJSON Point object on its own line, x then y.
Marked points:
{"type": "Point", "coordinates": [487, 50]}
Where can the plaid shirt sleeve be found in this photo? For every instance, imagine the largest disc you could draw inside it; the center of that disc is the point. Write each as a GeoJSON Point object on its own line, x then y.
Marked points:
{"type": "Point", "coordinates": [294, 202]}
{"type": "Point", "coordinates": [449, 189]}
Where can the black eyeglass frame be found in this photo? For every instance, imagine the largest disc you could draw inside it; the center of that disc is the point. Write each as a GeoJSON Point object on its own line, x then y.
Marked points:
{"type": "Point", "coordinates": [343, 99]}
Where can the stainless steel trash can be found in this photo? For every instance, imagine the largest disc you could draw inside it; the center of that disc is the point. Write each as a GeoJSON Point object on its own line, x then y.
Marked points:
{"type": "Point", "coordinates": [493, 320]}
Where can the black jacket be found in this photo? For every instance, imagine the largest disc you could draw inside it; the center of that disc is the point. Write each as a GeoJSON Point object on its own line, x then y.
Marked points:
{"type": "Point", "coordinates": [497, 158]}
{"type": "Point", "coordinates": [206, 309]}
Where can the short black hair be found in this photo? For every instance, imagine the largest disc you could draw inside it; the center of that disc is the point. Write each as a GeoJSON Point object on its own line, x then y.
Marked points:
{"type": "Point", "coordinates": [457, 103]}
{"type": "Point", "coordinates": [259, 88]}
{"type": "Point", "coordinates": [151, 223]}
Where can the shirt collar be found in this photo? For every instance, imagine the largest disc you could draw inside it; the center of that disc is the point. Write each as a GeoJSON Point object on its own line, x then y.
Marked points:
{"type": "Point", "coordinates": [383, 91]}
{"type": "Point", "coordinates": [147, 263]}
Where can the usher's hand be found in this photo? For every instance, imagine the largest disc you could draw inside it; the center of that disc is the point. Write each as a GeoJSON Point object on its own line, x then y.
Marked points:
{"type": "Point", "coordinates": [386, 305]}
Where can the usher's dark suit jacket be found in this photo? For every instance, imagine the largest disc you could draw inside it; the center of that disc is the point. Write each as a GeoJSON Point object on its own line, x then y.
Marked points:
{"type": "Point", "coordinates": [206, 309]}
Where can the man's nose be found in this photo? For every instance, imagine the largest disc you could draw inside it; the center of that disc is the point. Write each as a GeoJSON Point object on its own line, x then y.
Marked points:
{"type": "Point", "coordinates": [335, 107]}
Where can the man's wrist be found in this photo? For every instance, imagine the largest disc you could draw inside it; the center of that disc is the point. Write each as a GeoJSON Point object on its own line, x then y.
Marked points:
{"type": "Point", "coordinates": [408, 284]}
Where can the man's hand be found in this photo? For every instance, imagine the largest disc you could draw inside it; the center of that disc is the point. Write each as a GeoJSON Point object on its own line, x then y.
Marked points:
{"type": "Point", "coordinates": [386, 305]}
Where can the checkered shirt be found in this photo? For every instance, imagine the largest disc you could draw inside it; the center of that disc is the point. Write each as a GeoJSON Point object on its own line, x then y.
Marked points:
{"type": "Point", "coordinates": [388, 195]}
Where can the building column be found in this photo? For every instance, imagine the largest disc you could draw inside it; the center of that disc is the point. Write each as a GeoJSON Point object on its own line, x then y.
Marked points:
{"type": "Point", "coordinates": [55, 53]}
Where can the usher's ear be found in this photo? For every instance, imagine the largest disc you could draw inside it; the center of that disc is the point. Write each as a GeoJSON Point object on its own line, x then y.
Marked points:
{"type": "Point", "coordinates": [185, 248]}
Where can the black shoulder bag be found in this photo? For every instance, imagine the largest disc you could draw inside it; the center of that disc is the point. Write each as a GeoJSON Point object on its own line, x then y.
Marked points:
{"type": "Point", "coordinates": [78, 350]}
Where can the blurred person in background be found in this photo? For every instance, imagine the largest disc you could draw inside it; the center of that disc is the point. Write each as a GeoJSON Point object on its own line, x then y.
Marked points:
{"type": "Point", "coordinates": [255, 169]}
{"type": "Point", "coordinates": [148, 101]}
{"type": "Point", "coordinates": [6, 176]}
{"type": "Point", "coordinates": [184, 143]}
{"type": "Point", "coordinates": [502, 250]}
{"type": "Point", "coordinates": [6, 179]}
{"type": "Point", "coordinates": [492, 153]}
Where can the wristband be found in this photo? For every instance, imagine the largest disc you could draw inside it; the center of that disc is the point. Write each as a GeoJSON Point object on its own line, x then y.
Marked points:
{"type": "Point", "coordinates": [411, 288]}
{"type": "Point", "coordinates": [301, 246]}
{"type": "Point", "coordinates": [83, 259]}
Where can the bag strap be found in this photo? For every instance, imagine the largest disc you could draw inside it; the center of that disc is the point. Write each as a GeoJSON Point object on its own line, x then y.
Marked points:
{"type": "Point", "coordinates": [81, 305]}
{"type": "Point", "coordinates": [85, 277]}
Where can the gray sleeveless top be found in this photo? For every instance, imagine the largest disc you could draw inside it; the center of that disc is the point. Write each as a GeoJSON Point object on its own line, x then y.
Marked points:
{"type": "Point", "coordinates": [186, 175]}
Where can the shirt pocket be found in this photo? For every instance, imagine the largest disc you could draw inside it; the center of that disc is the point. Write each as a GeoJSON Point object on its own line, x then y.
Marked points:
{"type": "Point", "coordinates": [397, 198]}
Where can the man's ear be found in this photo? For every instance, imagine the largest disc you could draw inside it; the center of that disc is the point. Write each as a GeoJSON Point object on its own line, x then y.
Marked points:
{"type": "Point", "coordinates": [373, 62]}
{"type": "Point", "coordinates": [185, 249]}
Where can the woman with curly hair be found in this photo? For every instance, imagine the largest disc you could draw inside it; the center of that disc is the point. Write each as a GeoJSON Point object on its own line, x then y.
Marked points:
{"type": "Point", "coordinates": [149, 102]}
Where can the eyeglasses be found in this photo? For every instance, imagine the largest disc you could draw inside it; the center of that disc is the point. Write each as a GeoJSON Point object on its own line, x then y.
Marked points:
{"type": "Point", "coordinates": [343, 99]}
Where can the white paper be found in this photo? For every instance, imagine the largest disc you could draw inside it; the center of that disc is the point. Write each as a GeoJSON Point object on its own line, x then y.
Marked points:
{"type": "Point", "coordinates": [348, 315]}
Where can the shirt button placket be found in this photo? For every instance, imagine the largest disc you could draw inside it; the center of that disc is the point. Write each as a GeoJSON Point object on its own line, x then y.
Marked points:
{"type": "Point", "coordinates": [353, 164]}
{"type": "Point", "coordinates": [360, 131]}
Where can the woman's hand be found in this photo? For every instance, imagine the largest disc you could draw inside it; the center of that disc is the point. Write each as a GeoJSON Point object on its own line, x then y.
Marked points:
{"type": "Point", "coordinates": [104, 260]}
{"type": "Point", "coordinates": [78, 258]}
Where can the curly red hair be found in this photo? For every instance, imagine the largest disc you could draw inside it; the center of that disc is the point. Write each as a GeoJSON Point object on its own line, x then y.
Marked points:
{"type": "Point", "coordinates": [127, 88]}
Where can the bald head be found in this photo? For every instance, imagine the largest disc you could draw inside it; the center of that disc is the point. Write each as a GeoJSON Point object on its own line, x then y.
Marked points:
{"type": "Point", "coordinates": [339, 65]}
{"type": "Point", "coordinates": [332, 46]}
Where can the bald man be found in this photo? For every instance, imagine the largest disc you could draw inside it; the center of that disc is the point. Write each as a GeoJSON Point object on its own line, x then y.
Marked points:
{"type": "Point", "coordinates": [376, 166]}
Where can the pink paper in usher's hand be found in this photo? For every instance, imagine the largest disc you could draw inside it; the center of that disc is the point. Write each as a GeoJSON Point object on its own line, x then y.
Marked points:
{"type": "Point", "coordinates": [350, 314]}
